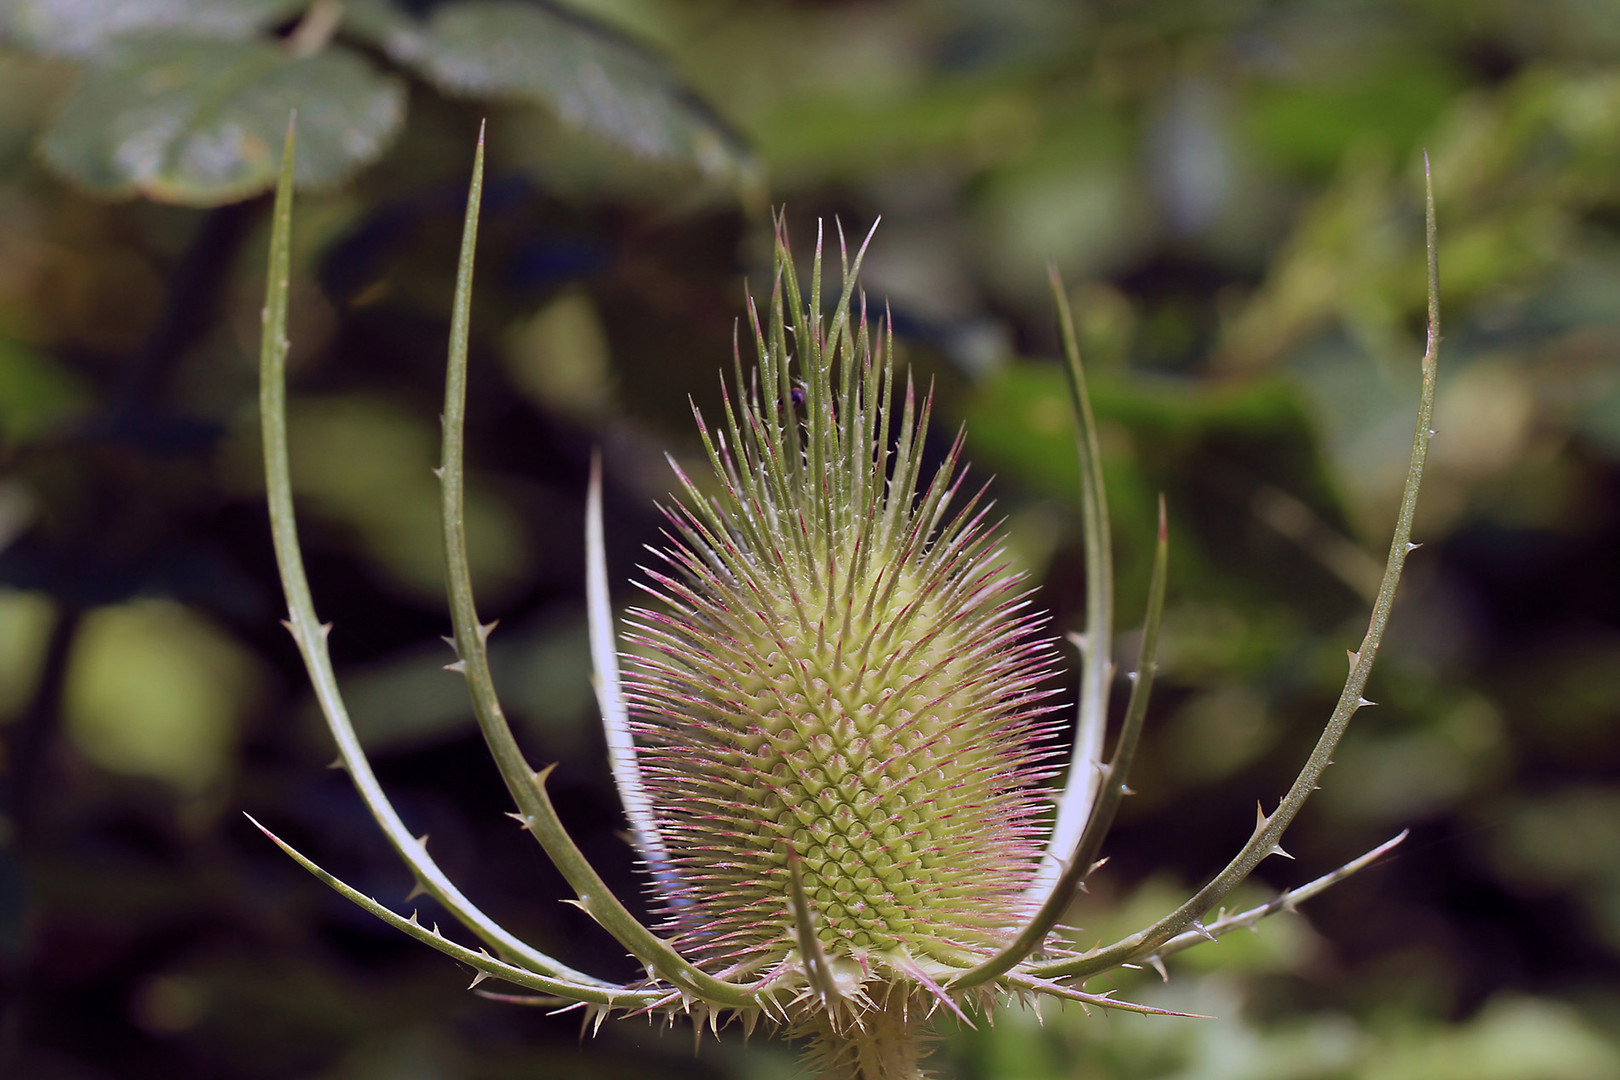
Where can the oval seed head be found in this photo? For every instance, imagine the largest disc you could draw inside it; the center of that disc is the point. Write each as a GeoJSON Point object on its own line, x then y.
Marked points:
{"type": "Point", "coordinates": [844, 683]}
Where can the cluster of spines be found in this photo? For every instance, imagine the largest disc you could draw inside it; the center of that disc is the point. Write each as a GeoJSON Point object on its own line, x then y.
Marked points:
{"type": "Point", "coordinates": [843, 672]}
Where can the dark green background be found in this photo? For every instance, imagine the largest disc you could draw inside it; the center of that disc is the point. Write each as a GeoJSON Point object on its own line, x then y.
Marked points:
{"type": "Point", "coordinates": [1233, 192]}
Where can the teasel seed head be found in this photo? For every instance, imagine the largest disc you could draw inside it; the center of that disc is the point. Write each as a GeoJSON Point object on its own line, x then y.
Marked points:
{"type": "Point", "coordinates": [842, 691]}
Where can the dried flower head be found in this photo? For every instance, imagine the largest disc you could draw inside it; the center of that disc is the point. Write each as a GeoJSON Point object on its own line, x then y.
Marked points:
{"type": "Point", "coordinates": [835, 735]}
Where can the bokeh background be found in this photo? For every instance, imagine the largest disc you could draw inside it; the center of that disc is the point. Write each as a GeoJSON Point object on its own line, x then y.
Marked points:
{"type": "Point", "coordinates": [1232, 189]}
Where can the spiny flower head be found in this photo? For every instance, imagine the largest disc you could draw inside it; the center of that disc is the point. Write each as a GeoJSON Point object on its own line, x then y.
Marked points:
{"type": "Point", "coordinates": [842, 690]}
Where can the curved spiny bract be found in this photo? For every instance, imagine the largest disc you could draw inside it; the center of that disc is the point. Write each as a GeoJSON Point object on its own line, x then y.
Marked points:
{"type": "Point", "coordinates": [843, 671]}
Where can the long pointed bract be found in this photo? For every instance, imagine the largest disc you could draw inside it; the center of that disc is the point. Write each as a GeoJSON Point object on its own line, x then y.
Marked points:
{"type": "Point", "coordinates": [310, 634]}
{"type": "Point", "coordinates": [1091, 716]}
{"type": "Point", "coordinates": [527, 786]}
{"type": "Point", "coordinates": [1269, 830]}
{"type": "Point", "coordinates": [621, 744]}
{"type": "Point", "coordinates": [596, 993]}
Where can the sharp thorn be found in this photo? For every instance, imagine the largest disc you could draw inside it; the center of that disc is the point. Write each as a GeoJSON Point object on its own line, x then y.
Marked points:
{"type": "Point", "coordinates": [478, 978]}
{"type": "Point", "coordinates": [1362, 703]}
{"type": "Point", "coordinates": [459, 667]}
{"type": "Point", "coordinates": [417, 889]}
{"type": "Point", "coordinates": [485, 629]}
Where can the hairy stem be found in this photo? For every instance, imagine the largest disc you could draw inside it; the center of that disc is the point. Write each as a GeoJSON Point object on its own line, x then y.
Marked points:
{"type": "Point", "coordinates": [888, 1044]}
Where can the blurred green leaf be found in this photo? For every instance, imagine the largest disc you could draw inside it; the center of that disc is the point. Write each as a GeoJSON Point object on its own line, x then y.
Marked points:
{"type": "Point", "coordinates": [34, 393]}
{"type": "Point", "coordinates": [592, 77]}
{"type": "Point", "coordinates": [85, 28]}
{"type": "Point", "coordinates": [1512, 1038]}
{"type": "Point", "coordinates": [194, 121]}
{"type": "Point", "coordinates": [26, 619]}
{"type": "Point", "coordinates": [155, 690]}
{"type": "Point", "coordinates": [1307, 124]}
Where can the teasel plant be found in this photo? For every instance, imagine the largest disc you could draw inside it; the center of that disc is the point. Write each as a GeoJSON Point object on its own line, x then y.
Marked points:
{"type": "Point", "coordinates": [833, 736]}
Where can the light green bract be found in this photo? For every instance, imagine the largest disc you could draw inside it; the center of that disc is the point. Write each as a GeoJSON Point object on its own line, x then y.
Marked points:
{"type": "Point", "coordinates": [833, 745]}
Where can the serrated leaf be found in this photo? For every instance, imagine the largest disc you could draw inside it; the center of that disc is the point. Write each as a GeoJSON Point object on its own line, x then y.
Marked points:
{"type": "Point", "coordinates": [195, 121]}
{"type": "Point", "coordinates": [592, 77]}
{"type": "Point", "coordinates": [87, 28]}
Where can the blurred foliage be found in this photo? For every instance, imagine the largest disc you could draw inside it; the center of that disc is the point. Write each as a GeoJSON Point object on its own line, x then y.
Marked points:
{"type": "Point", "coordinates": [1231, 190]}
{"type": "Point", "coordinates": [184, 100]}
